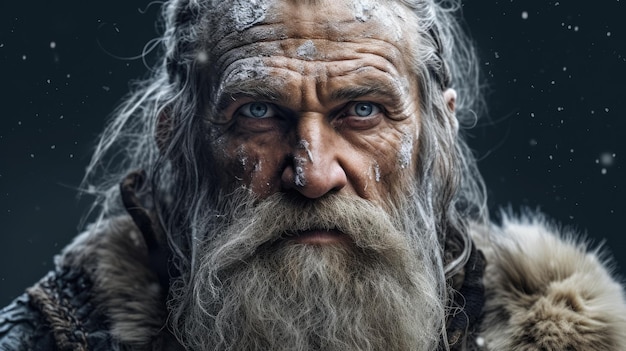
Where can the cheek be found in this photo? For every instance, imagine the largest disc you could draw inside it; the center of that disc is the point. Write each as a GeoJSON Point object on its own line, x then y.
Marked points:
{"type": "Point", "coordinates": [394, 149]}
{"type": "Point", "coordinates": [254, 162]}
{"type": "Point", "coordinates": [388, 160]}
{"type": "Point", "coordinates": [262, 176]}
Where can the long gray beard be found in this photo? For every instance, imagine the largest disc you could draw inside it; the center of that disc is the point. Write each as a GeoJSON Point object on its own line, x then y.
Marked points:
{"type": "Point", "coordinates": [251, 289]}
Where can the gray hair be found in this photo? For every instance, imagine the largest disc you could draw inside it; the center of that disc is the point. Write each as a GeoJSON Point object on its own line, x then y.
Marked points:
{"type": "Point", "coordinates": [180, 172]}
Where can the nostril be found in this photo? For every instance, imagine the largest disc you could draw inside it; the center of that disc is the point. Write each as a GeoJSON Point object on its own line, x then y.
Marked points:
{"type": "Point", "coordinates": [293, 172]}
{"type": "Point", "coordinates": [313, 170]}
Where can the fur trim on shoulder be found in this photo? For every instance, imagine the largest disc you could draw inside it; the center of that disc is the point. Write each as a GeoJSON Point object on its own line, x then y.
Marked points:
{"type": "Point", "coordinates": [113, 253]}
{"type": "Point", "coordinates": [546, 291]}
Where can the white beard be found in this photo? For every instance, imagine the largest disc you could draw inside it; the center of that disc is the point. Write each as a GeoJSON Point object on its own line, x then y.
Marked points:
{"type": "Point", "coordinates": [252, 290]}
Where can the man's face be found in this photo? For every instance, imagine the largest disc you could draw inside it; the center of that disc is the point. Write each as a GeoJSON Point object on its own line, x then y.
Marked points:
{"type": "Point", "coordinates": [318, 99]}
{"type": "Point", "coordinates": [320, 121]}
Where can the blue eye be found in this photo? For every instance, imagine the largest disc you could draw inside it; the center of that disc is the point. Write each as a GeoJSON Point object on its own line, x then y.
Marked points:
{"type": "Point", "coordinates": [257, 110]}
{"type": "Point", "coordinates": [363, 109]}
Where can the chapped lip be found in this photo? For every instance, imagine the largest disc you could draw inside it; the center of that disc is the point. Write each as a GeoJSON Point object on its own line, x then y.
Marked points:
{"type": "Point", "coordinates": [320, 237]}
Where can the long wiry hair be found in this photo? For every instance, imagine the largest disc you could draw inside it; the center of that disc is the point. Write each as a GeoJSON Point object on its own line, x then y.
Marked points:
{"type": "Point", "coordinates": [181, 178]}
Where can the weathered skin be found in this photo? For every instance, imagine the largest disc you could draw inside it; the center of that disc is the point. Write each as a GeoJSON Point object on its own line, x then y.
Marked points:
{"type": "Point", "coordinates": [310, 80]}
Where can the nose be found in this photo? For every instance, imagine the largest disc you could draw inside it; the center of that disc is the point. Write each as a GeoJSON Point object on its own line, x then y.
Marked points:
{"type": "Point", "coordinates": [314, 168]}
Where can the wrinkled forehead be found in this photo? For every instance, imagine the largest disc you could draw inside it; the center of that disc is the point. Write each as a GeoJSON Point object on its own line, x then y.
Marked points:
{"type": "Point", "coordinates": [240, 22]}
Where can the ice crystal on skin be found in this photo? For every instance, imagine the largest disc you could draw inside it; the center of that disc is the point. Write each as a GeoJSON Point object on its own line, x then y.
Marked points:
{"type": "Point", "coordinates": [247, 69]}
{"type": "Point", "coordinates": [307, 50]}
{"type": "Point", "coordinates": [406, 151]}
{"type": "Point", "coordinates": [303, 144]}
{"type": "Point", "coordinates": [299, 178]}
{"type": "Point", "coordinates": [377, 172]}
{"type": "Point", "coordinates": [258, 167]}
{"type": "Point", "coordinates": [364, 10]}
{"type": "Point", "coordinates": [393, 16]}
{"type": "Point", "coordinates": [242, 155]}
{"type": "Point", "coordinates": [246, 13]}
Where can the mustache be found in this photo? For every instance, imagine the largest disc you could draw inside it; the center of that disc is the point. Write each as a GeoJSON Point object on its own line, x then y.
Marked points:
{"type": "Point", "coordinates": [254, 226]}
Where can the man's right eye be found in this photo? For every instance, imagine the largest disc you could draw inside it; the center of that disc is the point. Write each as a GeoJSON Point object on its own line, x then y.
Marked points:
{"type": "Point", "coordinates": [257, 110]}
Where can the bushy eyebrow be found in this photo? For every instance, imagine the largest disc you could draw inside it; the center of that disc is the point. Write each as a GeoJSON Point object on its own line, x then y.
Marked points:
{"type": "Point", "coordinates": [350, 93]}
{"type": "Point", "coordinates": [254, 89]}
{"type": "Point", "coordinates": [270, 89]}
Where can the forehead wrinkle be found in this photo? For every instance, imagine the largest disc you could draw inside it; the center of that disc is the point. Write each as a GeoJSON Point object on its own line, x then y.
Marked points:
{"type": "Point", "coordinates": [393, 53]}
{"type": "Point", "coordinates": [258, 33]}
{"type": "Point", "coordinates": [322, 23]}
{"type": "Point", "coordinates": [265, 51]}
{"type": "Point", "coordinates": [268, 32]}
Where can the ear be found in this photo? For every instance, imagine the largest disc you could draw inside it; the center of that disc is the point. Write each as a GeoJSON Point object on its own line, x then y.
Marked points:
{"type": "Point", "coordinates": [164, 128]}
{"type": "Point", "coordinates": [449, 96]}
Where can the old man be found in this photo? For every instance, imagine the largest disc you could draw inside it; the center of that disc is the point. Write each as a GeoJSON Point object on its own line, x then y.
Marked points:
{"type": "Point", "coordinates": [293, 177]}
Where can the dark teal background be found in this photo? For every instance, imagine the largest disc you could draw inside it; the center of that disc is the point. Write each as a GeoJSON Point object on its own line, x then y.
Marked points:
{"type": "Point", "coordinates": [555, 84]}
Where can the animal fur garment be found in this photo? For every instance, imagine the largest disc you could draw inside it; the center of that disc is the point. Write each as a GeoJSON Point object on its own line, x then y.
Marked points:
{"type": "Point", "coordinates": [546, 291]}
{"type": "Point", "coordinates": [543, 291]}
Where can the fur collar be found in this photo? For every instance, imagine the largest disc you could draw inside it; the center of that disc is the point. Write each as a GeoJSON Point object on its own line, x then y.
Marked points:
{"type": "Point", "coordinates": [114, 255]}
{"type": "Point", "coordinates": [544, 289]}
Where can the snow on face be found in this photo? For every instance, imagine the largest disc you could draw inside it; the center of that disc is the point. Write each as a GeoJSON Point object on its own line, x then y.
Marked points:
{"type": "Point", "coordinates": [377, 171]}
{"type": "Point", "coordinates": [303, 144]}
{"type": "Point", "coordinates": [300, 179]}
{"type": "Point", "coordinates": [246, 13]}
{"type": "Point", "coordinates": [307, 50]}
{"type": "Point", "coordinates": [248, 68]}
{"type": "Point", "coordinates": [392, 15]}
{"type": "Point", "coordinates": [242, 155]}
{"type": "Point", "coordinates": [363, 10]}
{"type": "Point", "coordinates": [406, 151]}
{"type": "Point", "coordinates": [257, 63]}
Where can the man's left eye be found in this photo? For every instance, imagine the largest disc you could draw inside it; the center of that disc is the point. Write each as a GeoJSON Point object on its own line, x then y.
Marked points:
{"type": "Point", "coordinates": [363, 109]}
{"type": "Point", "coordinates": [257, 110]}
